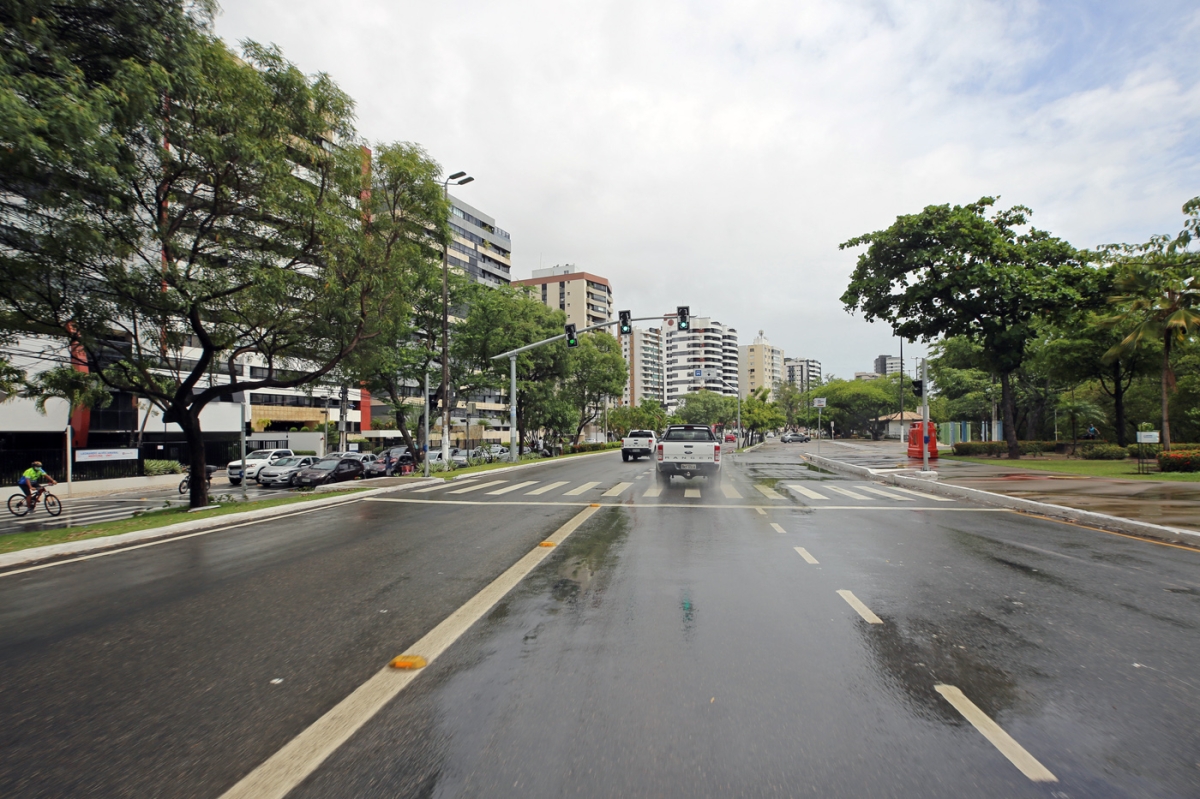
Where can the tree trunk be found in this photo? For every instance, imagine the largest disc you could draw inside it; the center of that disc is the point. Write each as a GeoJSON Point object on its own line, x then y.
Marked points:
{"type": "Point", "coordinates": [189, 420]}
{"type": "Point", "coordinates": [401, 423]}
{"type": "Point", "coordinates": [1166, 393]}
{"type": "Point", "coordinates": [1008, 400]}
{"type": "Point", "coordinates": [1119, 402]}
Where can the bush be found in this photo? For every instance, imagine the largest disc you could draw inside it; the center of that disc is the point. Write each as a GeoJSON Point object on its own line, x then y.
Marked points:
{"type": "Point", "coordinates": [1037, 447]}
{"type": "Point", "coordinates": [981, 448]}
{"type": "Point", "coordinates": [1187, 460]}
{"type": "Point", "coordinates": [588, 447]}
{"type": "Point", "coordinates": [152, 467]}
{"type": "Point", "coordinates": [1152, 450]}
{"type": "Point", "coordinates": [1103, 452]}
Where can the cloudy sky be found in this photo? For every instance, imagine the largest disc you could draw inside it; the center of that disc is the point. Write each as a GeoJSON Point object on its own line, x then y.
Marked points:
{"type": "Point", "coordinates": [714, 154]}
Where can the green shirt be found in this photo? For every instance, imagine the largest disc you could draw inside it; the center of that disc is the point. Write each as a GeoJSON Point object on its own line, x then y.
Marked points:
{"type": "Point", "coordinates": [34, 473]}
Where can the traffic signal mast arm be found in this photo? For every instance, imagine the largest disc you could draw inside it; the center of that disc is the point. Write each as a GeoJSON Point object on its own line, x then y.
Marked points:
{"type": "Point", "coordinates": [562, 336]}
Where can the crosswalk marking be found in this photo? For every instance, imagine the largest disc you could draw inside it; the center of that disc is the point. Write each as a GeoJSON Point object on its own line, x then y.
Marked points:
{"type": "Point", "coordinates": [730, 492]}
{"type": "Point", "coordinates": [70, 520]}
{"type": "Point", "coordinates": [616, 490]}
{"type": "Point", "coordinates": [920, 494]}
{"type": "Point", "coordinates": [538, 491]}
{"type": "Point", "coordinates": [777, 528]}
{"type": "Point", "coordinates": [506, 489]}
{"type": "Point", "coordinates": [652, 492]}
{"type": "Point", "coordinates": [574, 492]}
{"type": "Point", "coordinates": [478, 486]}
{"type": "Point", "coordinates": [846, 492]}
{"type": "Point", "coordinates": [769, 493]}
{"type": "Point", "coordinates": [887, 494]}
{"type": "Point", "coordinates": [808, 492]}
{"type": "Point", "coordinates": [691, 493]}
{"type": "Point", "coordinates": [438, 487]}
{"type": "Point", "coordinates": [804, 554]}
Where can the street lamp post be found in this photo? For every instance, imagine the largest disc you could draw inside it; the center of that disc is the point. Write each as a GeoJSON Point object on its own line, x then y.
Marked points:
{"type": "Point", "coordinates": [458, 179]}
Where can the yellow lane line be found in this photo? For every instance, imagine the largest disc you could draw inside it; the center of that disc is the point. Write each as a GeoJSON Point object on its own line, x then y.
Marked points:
{"type": "Point", "coordinates": [862, 609]}
{"type": "Point", "coordinates": [1008, 747]}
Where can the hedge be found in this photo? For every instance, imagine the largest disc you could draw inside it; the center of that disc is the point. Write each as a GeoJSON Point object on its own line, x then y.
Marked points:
{"type": "Point", "coordinates": [1103, 452]}
{"type": "Point", "coordinates": [589, 447]}
{"type": "Point", "coordinates": [1184, 461]}
{"type": "Point", "coordinates": [1152, 450]}
{"type": "Point", "coordinates": [152, 467]}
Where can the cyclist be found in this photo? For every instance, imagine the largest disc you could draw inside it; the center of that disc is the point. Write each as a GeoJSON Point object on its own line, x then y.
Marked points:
{"type": "Point", "coordinates": [33, 476]}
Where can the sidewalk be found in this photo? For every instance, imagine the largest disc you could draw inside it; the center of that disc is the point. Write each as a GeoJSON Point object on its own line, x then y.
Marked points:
{"type": "Point", "coordinates": [1153, 501]}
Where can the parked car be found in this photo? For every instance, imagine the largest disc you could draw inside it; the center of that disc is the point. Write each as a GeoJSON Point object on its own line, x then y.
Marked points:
{"type": "Point", "coordinates": [254, 461]}
{"type": "Point", "coordinates": [799, 438]}
{"type": "Point", "coordinates": [330, 470]}
{"type": "Point", "coordinates": [731, 438]}
{"type": "Point", "coordinates": [396, 457]}
{"type": "Point", "coordinates": [375, 466]}
{"type": "Point", "coordinates": [283, 471]}
{"type": "Point", "coordinates": [457, 459]}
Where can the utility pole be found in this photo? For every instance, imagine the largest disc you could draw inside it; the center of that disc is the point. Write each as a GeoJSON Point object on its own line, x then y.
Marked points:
{"type": "Point", "coordinates": [924, 415]}
{"type": "Point", "coordinates": [344, 404]}
{"type": "Point", "coordinates": [458, 179]}
{"type": "Point", "coordinates": [425, 451]}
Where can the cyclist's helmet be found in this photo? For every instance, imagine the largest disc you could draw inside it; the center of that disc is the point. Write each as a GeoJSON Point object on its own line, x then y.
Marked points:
{"type": "Point", "coordinates": [37, 463]}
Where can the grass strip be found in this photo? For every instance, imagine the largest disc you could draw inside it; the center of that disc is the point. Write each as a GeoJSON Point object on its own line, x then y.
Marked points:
{"type": "Point", "coordinates": [149, 520]}
{"type": "Point", "coordinates": [1122, 470]}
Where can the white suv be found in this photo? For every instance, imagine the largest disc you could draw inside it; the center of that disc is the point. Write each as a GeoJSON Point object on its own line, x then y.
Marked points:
{"type": "Point", "coordinates": [254, 461]}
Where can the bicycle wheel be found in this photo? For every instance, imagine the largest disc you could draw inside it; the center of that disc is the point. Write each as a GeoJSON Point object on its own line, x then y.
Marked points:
{"type": "Point", "coordinates": [17, 506]}
{"type": "Point", "coordinates": [183, 486]}
{"type": "Point", "coordinates": [52, 504]}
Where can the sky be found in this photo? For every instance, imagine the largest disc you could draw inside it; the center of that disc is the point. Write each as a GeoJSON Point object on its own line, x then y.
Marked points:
{"type": "Point", "coordinates": [715, 154]}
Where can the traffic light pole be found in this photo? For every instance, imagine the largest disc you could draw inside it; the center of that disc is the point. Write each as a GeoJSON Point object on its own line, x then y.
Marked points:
{"type": "Point", "coordinates": [924, 415]}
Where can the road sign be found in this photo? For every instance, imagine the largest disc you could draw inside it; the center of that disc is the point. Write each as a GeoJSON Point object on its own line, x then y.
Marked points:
{"type": "Point", "coordinates": [818, 402]}
{"type": "Point", "coordinates": [698, 373]}
{"type": "Point", "coordinates": [1147, 437]}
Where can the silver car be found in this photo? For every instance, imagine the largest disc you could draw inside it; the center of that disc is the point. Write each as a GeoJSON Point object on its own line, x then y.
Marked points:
{"type": "Point", "coordinates": [282, 471]}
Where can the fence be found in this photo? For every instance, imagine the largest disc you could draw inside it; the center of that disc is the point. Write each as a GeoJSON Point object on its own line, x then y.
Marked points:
{"type": "Point", "coordinates": [14, 461]}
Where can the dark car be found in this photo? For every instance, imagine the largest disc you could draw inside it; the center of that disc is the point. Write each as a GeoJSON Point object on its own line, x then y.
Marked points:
{"type": "Point", "coordinates": [330, 470]}
{"type": "Point", "coordinates": [375, 466]}
{"type": "Point", "coordinates": [283, 471]}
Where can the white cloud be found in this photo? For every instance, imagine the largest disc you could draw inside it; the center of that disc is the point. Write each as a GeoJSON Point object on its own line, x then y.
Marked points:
{"type": "Point", "coordinates": [715, 154]}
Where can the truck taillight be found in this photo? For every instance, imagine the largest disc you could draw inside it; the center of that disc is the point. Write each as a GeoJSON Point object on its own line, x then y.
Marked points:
{"type": "Point", "coordinates": [716, 453]}
{"type": "Point", "coordinates": [660, 452]}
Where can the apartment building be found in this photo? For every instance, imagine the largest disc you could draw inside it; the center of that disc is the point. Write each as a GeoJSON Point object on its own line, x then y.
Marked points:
{"type": "Point", "coordinates": [478, 248]}
{"type": "Point", "coordinates": [760, 364]}
{"type": "Point", "coordinates": [803, 373]}
{"type": "Point", "coordinates": [704, 357]}
{"type": "Point", "coordinates": [643, 351]}
{"type": "Point", "coordinates": [888, 365]}
{"type": "Point", "coordinates": [585, 298]}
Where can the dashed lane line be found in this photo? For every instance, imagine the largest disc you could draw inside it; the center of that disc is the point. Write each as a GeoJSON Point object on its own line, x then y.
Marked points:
{"type": "Point", "coordinates": [769, 493]}
{"type": "Point", "coordinates": [804, 554]}
{"type": "Point", "coordinates": [574, 492]}
{"type": "Point", "coordinates": [538, 491]}
{"type": "Point", "coordinates": [506, 489]}
{"type": "Point", "coordinates": [862, 609]}
{"type": "Point", "coordinates": [730, 492]}
{"type": "Point", "coordinates": [808, 492]}
{"type": "Point", "coordinates": [887, 494]}
{"type": "Point", "coordinates": [921, 494]}
{"type": "Point", "coordinates": [478, 486]}
{"type": "Point", "coordinates": [714, 506]}
{"type": "Point", "coordinates": [1008, 747]}
{"type": "Point", "coordinates": [777, 528]}
{"type": "Point", "coordinates": [846, 492]}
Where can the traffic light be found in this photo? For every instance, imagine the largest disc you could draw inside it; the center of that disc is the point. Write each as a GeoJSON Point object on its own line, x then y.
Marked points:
{"type": "Point", "coordinates": [625, 326]}
{"type": "Point", "coordinates": [682, 312]}
{"type": "Point", "coordinates": [918, 388]}
{"type": "Point", "coordinates": [572, 339]}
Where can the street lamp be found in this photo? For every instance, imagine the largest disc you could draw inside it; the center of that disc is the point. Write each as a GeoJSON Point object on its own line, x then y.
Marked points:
{"type": "Point", "coordinates": [458, 179]}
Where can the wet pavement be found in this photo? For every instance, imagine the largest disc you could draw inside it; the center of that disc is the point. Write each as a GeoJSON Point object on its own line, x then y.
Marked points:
{"type": "Point", "coordinates": [688, 640]}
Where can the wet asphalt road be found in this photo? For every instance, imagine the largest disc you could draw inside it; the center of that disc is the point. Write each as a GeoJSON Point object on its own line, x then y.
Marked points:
{"type": "Point", "coordinates": [675, 645]}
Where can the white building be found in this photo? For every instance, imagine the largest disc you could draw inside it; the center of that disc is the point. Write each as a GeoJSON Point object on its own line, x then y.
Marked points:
{"type": "Point", "coordinates": [704, 357]}
{"type": "Point", "coordinates": [888, 365]}
{"type": "Point", "coordinates": [803, 373]}
{"type": "Point", "coordinates": [643, 351]}
{"type": "Point", "coordinates": [760, 364]}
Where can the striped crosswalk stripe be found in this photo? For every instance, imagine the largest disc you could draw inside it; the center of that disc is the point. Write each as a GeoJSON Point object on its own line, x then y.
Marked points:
{"type": "Point", "coordinates": [887, 494]}
{"type": "Point", "coordinates": [506, 489]}
{"type": "Point", "coordinates": [538, 491]}
{"type": "Point", "coordinates": [653, 491]}
{"type": "Point", "coordinates": [920, 494]}
{"type": "Point", "coordinates": [433, 488]}
{"type": "Point", "coordinates": [769, 493]}
{"type": "Point", "coordinates": [808, 492]}
{"type": "Point", "coordinates": [574, 492]}
{"type": "Point", "coordinates": [616, 490]}
{"type": "Point", "coordinates": [478, 486]}
{"type": "Point", "coordinates": [730, 492]}
{"type": "Point", "coordinates": [691, 493]}
{"type": "Point", "coordinates": [70, 520]}
{"type": "Point", "coordinates": [847, 493]}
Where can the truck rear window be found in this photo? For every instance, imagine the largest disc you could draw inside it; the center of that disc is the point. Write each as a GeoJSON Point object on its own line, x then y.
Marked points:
{"type": "Point", "coordinates": [641, 434]}
{"type": "Point", "coordinates": [689, 434]}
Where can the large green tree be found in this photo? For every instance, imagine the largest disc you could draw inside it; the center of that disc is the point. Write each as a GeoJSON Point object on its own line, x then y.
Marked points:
{"type": "Point", "coordinates": [596, 371]}
{"type": "Point", "coordinates": [958, 271]}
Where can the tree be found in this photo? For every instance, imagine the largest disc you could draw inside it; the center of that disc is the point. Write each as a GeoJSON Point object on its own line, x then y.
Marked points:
{"type": "Point", "coordinates": [1158, 299]}
{"type": "Point", "coordinates": [596, 370]}
{"type": "Point", "coordinates": [954, 271]}
{"type": "Point", "coordinates": [759, 414]}
{"type": "Point", "coordinates": [790, 402]}
{"type": "Point", "coordinates": [705, 407]}
{"type": "Point", "coordinates": [219, 219]}
{"type": "Point", "coordinates": [854, 405]}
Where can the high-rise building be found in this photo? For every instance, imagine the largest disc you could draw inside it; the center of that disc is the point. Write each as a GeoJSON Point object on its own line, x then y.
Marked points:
{"type": "Point", "coordinates": [887, 365]}
{"type": "Point", "coordinates": [643, 351]}
{"type": "Point", "coordinates": [586, 298]}
{"type": "Point", "coordinates": [760, 364]}
{"type": "Point", "coordinates": [477, 247]}
{"type": "Point", "coordinates": [803, 373]}
{"type": "Point", "coordinates": [703, 357]}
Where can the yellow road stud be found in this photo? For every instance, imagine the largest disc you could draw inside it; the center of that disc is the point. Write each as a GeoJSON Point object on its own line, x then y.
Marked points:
{"type": "Point", "coordinates": [408, 662]}
{"type": "Point", "coordinates": [547, 544]}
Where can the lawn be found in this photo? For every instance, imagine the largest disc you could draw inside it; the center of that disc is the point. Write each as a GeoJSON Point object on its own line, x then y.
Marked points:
{"type": "Point", "coordinates": [146, 521]}
{"type": "Point", "coordinates": [1125, 470]}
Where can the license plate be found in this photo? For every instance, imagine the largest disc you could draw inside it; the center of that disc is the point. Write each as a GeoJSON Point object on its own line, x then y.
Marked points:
{"type": "Point", "coordinates": [687, 466]}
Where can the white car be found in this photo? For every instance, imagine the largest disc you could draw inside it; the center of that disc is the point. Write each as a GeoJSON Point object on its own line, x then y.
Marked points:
{"type": "Point", "coordinates": [254, 461]}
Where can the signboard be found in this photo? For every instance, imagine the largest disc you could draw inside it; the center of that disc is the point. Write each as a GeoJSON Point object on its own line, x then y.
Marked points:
{"type": "Point", "coordinates": [699, 372]}
{"type": "Point", "coordinates": [818, 402]}
{"type": "Point", "coordinates": [1148, 437]}
{"type": "Point", "coordinates": [353, 447]}
{"type": "Point", "coordinates": [92, 455]}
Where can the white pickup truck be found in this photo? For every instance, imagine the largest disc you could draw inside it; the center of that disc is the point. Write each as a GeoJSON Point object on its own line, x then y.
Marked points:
{"type": "Point", "coordinates": [689, 450]}
{"type": "Point", "coordinates": [637, 444]}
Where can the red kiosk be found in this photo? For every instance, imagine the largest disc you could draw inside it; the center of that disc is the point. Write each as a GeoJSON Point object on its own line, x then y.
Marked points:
{"type": "Point", "coordinates": [914, 440]}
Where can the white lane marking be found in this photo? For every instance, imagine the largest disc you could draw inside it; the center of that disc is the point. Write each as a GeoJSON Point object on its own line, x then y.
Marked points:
{"type": "Point", "coordinates": [288, 767]}
{"type": "Point", "coordinates": [691, 493]}
{"type": "Point", "coordinates": [616, 490]}
{"type": "Point", "coordinates": [744, 506]}
{"type": "Point", "coordinates": [446, 484]}
{"type": "Point", "coordinates": [862, 609]}
{"type": "Point", "coordinates": [769, 493]}
{"type": "Point", "coordinates": [574, 492]}
{"type": "Point", "coordinates": [808, 492]}
{"type": "Point", "coordinates": [506, 489]}
{"type": "Point", "coordinates": [887, 494]}
{"type": "Point", "coordinates": [652, 492]}
{"type": "Point", "coordinates": [847, 493]}
{"type": "Point", "coordinates": [920, 494]}
{"type": "Point", "coordinates": [778, 529]}
{"type": "Point", "coordinates": [730, 492]}
{"type": "Point", "coordinates": [535, 492]}
{"type": "Point", "coordinates": [478, 486]}
{"type": "Point", "coordinates": [761, 511]}
{"type": "Point", "coordinates": [1008, 747]}
{"type": "Point", "coordinates": [76, 518]}
{"type": "Point", "coordinates": [804, 554]}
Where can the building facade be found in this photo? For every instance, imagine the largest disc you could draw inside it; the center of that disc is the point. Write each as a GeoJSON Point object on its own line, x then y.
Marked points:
{"type": "Point", "coordinates": [643, 352]}
{"type": "Point", "coordinates": [477, 247]}
{"type": "Point", "coordinates": [704, 357]}
{"type": "Point", "coordinates": [888, 365]}
{"type": "Point", "coordinates": [760, 364]}
{"type": "Point", "coordinates": [803, 373]}
{"type": "Point", "coordinates": [585, 298]}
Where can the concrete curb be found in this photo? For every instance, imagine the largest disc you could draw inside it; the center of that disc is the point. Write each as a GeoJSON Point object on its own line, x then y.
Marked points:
{"type": "Point", "coordinates": [91, 545]}
{"type": "Point", "coordinates": [1115, 524]}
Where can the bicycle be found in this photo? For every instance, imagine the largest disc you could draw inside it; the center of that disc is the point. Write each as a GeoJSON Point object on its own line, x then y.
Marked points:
{"type": "Point", "coordinates": [19, 505]}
